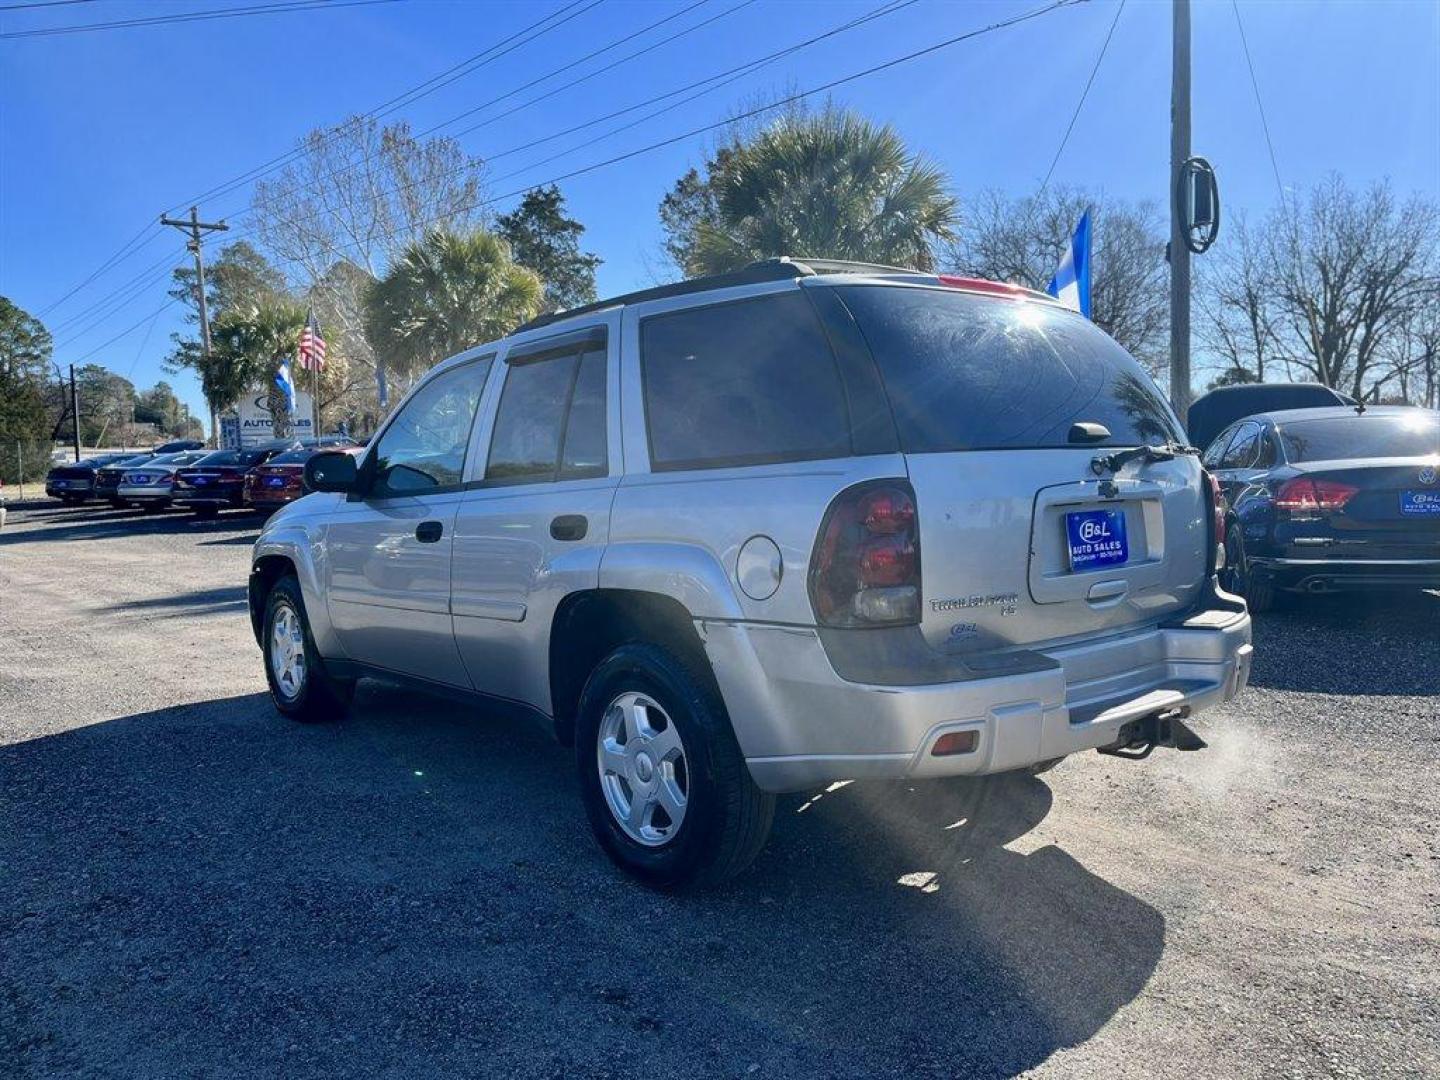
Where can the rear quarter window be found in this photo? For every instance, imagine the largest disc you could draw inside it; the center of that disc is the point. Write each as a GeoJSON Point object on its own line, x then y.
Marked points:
{"type": "Point", "coordinates": [742, 383]}
{"type": "Point", "coordinates": [968, 372]}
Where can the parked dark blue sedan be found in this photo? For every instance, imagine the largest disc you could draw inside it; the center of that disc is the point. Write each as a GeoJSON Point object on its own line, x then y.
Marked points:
{"type": "Point", "coordinates": [1321, 500]}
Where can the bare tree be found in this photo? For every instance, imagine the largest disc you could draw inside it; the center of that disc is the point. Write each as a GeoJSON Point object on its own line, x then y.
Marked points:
{"type": "Point", "coordinates": [1021, 241]}
{"type": "Point", "coordinates": [358, 194]}
{"type": "Point", "coordinates": [1237, 313]}
{"type": "Point", "coordinates": [1345, 271]}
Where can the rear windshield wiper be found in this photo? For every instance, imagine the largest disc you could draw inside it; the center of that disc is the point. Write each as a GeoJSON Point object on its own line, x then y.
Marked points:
{"type": "Point", "coordinates": [1113, 463]}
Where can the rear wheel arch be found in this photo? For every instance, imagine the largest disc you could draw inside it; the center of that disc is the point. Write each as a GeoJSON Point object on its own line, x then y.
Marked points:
{"type": "Point", "coordinates": [591, 624]}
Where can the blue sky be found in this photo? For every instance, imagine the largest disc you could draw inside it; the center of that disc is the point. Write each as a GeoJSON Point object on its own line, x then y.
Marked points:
{"type": "Point", "coordinates": [100, 132]}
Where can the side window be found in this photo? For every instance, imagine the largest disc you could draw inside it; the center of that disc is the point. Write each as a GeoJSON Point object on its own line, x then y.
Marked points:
{"type": "Point", "coordinates": [424, 448]}
{"type": "Point", "coordinates": [551, 422]}
{"type": "Point", "coordinates": [741, 383]}
{"type": "Point", "coordinates": [1240, 454]}
{"type": "Point", "coordinates": [1216, 450]}
{"type": "Point", "coordinates": [583, 452]}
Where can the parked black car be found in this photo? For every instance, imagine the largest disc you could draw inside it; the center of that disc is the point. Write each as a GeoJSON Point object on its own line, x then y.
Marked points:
{"type": "Point", "coordinates": [176, 446]}
{"type": "Point", "coordinates": [1210, 413]}
{"type": "Point", "coordinates": [1320, 500]}
{"type": "Point", "coordinates": [74, 483]}
{"type": "Point", "coordinates": [217, 481]}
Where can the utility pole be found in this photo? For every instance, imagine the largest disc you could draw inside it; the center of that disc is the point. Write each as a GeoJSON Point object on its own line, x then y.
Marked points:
{"type": "Point", "coordinates": [1179, 245]}
{"type": "Point", "coordinates": [195, 229]}
{"type": "Point", "coordinates": [75, 410]}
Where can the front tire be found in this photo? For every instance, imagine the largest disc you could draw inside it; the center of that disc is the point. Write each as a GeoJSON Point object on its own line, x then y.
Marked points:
{"type": "Point", "coordinates": [300, 686]}
{"type": "Point", "coordinates": [664, 784]}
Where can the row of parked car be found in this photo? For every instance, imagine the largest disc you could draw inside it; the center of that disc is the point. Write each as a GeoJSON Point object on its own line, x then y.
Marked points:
{"type": "Point", "coordinates": [184, 474]}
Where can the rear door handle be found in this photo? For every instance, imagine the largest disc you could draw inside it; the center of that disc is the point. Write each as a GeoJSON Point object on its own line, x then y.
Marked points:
{"type": "Point", "coordinates": [569, 527]}
{"type": "Point", "coordinates": [427, 532]}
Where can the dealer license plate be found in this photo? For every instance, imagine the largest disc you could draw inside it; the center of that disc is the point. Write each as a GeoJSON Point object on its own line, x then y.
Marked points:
{"type": "Point", "coordinates": [1097, 538]}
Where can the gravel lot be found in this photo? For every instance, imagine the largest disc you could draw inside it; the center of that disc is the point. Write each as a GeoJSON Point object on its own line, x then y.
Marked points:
{"type": "Point", "coordinates": [192, 886]}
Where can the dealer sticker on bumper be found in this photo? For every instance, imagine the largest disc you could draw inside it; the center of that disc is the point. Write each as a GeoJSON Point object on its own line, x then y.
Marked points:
{"type": "Point", "coordinates": [1097, 538]}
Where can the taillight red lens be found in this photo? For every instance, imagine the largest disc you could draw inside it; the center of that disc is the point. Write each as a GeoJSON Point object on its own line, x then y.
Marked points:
{"type": "Point", "coordinates": [865, 570]}
{"type": "Point", "coordinates": [1307, 495]}
{"type": "Point", "coordinates": [1216, 498]}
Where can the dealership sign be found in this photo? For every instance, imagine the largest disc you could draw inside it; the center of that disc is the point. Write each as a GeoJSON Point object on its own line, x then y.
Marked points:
{"type": "Point", "coordinates": [257, 426]}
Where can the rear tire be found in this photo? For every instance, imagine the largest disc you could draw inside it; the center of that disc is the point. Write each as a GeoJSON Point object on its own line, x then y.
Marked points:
{"type": "Point", "coordinates": [685, 739]}
{"type": "Point", "coordinates": [300, 686]}
{"type": "Point", "coordinates": [1259, 592]}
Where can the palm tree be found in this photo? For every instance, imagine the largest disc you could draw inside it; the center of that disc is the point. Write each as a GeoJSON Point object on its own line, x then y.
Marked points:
{"type": "Point", "coordinates": [247, 346]}
{"type": "Point", "coordinates": [444, 294]}
{"type": "Point", "coordinates": [832, 184]}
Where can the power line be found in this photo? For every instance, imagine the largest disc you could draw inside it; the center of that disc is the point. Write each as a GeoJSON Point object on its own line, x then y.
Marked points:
{"type": "Point", "coordinates": [125, 250]}
{"type": "Point", "coordinates": [562, 69]}
{"type": "Point", "coordinates": [121, 294]}
{"type": "Point", "coordinates": [408, 96]}
{"type": "Point", "coordinates": [779, 104]}
{"type": "Point", "coordinates": [1259, 104]}
{"type": "Point", "coordinates": [197, 16]}
{"type": "Point", "coordinates": [127, 331]}
{"type": "Point", "coordinates": [42, 4]}
{"type": "Point", "coordinates": [718, 80]}
{"type": "Point", "coordinates": [415, 93]}
{"type": "Point", "coordinates": [1081, 103]}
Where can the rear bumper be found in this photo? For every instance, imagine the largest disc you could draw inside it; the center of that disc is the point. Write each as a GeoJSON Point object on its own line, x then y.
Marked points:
{"type": "Point", "coordinates": [69, 489]}
{"type": "Point", "coordinates": [138, 494]}
{"type": "Point", "coordinates": [1327, 575]}
{"type": "Point", "coordinates": [800, 724]}
{"type": "Point", "coordinates": [220, 499]}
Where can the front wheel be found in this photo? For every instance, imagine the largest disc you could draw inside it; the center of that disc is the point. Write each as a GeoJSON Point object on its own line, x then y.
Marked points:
{"type": "Point", "coordinates": [300, 686]}
{"type": "Point", "coordinates": [665, 786]}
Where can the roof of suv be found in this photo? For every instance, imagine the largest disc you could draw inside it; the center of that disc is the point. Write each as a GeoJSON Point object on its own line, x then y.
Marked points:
{"type": "Point", "coordinates": [784, 268]}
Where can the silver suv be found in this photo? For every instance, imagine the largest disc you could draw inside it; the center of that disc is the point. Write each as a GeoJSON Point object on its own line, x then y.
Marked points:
{"type": "Point", "coordinates": [754, 533]}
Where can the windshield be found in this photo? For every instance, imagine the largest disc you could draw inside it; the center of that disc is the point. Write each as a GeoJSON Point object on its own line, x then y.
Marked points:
{"type": "Point", "coordinates": [967, 372]}
{"type": "Point", "coordinates": [1337, 438]}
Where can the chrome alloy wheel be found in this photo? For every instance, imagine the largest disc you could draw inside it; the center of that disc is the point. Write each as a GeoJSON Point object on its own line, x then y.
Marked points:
{"type": "Point", "coordinates": [287, 651]}
{"type": "Point", "coordinates": [643, 770]}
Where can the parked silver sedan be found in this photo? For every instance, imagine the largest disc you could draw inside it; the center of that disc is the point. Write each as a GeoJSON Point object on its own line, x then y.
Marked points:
{"type": "Point", "coordinates": [150, 486]}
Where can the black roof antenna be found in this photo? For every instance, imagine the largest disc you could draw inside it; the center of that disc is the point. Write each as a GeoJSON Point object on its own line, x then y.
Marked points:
{"type": "Point", "coordinates": [1359, 406]}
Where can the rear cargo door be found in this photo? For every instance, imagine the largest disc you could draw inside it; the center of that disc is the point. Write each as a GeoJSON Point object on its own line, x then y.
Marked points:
{"type": "Point", "coordinates": [1023, 539]}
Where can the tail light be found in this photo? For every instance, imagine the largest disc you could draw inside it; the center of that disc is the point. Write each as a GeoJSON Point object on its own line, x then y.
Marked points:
{"type": "Point", "coordinates": [866, 567]}
{"type": "Point", "coordinates": [1215, 499]}
{"type": "Point", "coordinates": [1308, 496]}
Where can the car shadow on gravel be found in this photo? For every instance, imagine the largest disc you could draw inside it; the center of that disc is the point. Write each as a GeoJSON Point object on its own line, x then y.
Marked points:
{"type": "Point", "coordinates": [107, 524]}
{"type": "Point", "coordinates": [208, 889]}
{"type": "Point", "coordinates": [1350, 643]}
{"type": "Point", "coordinates": [219, 601]}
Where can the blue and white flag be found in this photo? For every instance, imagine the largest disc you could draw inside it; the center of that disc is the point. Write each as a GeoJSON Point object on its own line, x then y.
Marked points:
{"type": "Point", "coordinates": [1071, 283]}
{"type": "Point", "coordinates": [286, 385]}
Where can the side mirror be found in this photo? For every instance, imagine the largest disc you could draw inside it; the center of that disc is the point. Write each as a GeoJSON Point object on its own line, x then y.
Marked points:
{"type": "Point", "coordinates": [333, 470]}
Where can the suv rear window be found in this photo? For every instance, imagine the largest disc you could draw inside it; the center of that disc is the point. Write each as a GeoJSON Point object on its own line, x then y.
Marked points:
{"type": "Point", "coordinates": [741, 383]}
{"type": "Point", "coordinates": [1362, 437]}
{"type": "Point", "coordinates": [967, 372]}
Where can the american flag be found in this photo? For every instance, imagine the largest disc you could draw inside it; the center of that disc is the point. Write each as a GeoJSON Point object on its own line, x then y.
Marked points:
{"type": "Point", "coordinates": [312, 345]}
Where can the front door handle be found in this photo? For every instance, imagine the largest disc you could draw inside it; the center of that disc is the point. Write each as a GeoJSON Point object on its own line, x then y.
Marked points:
{"type": "Point", "coordinates": [569, 527]}
{"type": "Point", "coordinates": [427, 532]}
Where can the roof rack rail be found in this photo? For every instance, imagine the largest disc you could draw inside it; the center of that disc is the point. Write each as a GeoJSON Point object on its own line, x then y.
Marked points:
{"type": "Point", "coordinates": [778, 269]}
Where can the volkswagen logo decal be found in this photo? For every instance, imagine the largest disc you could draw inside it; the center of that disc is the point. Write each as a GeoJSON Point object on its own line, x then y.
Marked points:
{"type": "Point", "coordinates": [1427, 474]}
